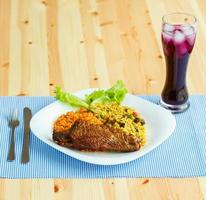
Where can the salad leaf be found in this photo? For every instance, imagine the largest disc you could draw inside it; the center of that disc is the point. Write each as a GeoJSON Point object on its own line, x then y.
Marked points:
{"type": "Point", "coordinates": [69, 98]}
{"type": "Point", "coordinates": [102, 99]}
{"type": "Point", "coordinates": [115, 94]}
{"type": "Point", "coordinates": [98, 94]}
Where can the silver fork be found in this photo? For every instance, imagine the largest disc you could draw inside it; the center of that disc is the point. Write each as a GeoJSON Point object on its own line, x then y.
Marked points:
{"type": "Point", "coordinates": [13, 123]}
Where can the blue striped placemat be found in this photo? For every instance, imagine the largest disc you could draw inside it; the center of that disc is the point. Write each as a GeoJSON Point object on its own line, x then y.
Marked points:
{"type": "Point", "coordinates": [182, 155]}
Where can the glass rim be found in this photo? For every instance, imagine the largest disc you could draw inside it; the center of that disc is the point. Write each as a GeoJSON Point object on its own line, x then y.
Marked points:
{"type": "Point", "coordinates": [194, 19]}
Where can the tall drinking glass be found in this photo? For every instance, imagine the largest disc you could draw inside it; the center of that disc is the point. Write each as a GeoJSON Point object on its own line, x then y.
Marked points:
{"type": "Point", "coordinates": [178, 38]}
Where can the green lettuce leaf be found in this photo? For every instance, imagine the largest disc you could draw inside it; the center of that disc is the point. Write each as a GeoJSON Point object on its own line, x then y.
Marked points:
{"type": "Point", "coordinates": [115, 94]}
{"type": "Point", "coordinates": [69, 98]}
{"type": "Point", "coordinates": [98, 94]}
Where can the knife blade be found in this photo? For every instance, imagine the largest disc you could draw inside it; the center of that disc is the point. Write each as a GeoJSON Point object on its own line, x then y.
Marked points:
{"type": "Point", "coordinates": [25, 149]}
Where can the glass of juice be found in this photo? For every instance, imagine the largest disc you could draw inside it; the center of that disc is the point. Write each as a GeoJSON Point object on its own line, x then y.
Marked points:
{"type": "Point", "coordinates": [178, 38]}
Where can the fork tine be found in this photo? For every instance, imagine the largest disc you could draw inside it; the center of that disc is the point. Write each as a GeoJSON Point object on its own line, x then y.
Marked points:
{"type": "Point", "coordinates": [15, 114]}
{"type": "Point", "coordinates": [10, 114]}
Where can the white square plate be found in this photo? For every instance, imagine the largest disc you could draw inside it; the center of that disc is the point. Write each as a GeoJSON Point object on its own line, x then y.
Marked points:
{"type": "Point", "coordinates": [160, 124]}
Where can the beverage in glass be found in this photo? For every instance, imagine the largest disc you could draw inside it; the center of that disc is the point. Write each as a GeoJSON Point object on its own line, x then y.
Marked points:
{"type": "Point", "coordinates": [178, 38]}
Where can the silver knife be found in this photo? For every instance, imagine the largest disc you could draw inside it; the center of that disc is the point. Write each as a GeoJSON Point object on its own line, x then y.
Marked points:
{"type": "Point", "coordinates": [26, 141]}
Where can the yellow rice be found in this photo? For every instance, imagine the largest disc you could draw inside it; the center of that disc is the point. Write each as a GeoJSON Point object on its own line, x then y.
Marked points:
{"type": "Point", "coordinates": [121, 117]}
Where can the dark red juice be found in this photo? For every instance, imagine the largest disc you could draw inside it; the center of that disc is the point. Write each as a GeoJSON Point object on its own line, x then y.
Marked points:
{"type": "Point", "coordinates": [178, 42]}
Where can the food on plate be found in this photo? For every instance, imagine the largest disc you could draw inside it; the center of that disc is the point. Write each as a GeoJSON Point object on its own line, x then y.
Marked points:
{"type": "Point", "coordinates": [114, 94]}
{"type": "Point", "coordinates": [84, 135]}
{"type": "Point", "coordinates": [101, 123]}
{"type": "Point", "coordinates": [65, 122]}
{"type": "Point", "coordinates": [121, 117]}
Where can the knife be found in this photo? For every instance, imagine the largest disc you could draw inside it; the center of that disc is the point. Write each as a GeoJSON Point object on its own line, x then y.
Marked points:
{"type": "Point", "coordinates": [26, 141]}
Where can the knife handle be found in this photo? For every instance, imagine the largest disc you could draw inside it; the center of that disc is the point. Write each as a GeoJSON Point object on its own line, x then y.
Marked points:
{"type": "Point", "coordinates": [25, 152]}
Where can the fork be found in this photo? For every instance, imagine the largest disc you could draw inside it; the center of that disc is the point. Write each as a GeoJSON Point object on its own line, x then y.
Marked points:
{"type": "Point", "coordinates": [13, 123]}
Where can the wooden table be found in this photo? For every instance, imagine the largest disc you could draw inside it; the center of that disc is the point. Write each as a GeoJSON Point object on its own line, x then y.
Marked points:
{"type": "Point", "coordinates": [92, 43]}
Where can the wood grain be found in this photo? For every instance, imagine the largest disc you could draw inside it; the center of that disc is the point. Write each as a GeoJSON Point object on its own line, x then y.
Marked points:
{"type": "Point", "coordinates": [92, 43]}
{"type": "Point", "coordinates": [4, 54]}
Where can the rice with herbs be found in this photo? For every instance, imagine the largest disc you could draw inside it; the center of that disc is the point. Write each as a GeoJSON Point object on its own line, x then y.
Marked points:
{"type": "Point", "coordinates": [122, 117]}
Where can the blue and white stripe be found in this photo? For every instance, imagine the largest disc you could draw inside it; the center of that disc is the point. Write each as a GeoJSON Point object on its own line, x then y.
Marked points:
{"type": "Point", "coordinates": [182, 155]}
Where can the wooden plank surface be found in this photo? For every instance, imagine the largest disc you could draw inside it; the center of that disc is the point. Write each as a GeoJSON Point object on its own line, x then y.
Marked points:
{"type": "Point", "coordinates": [92, 43]}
